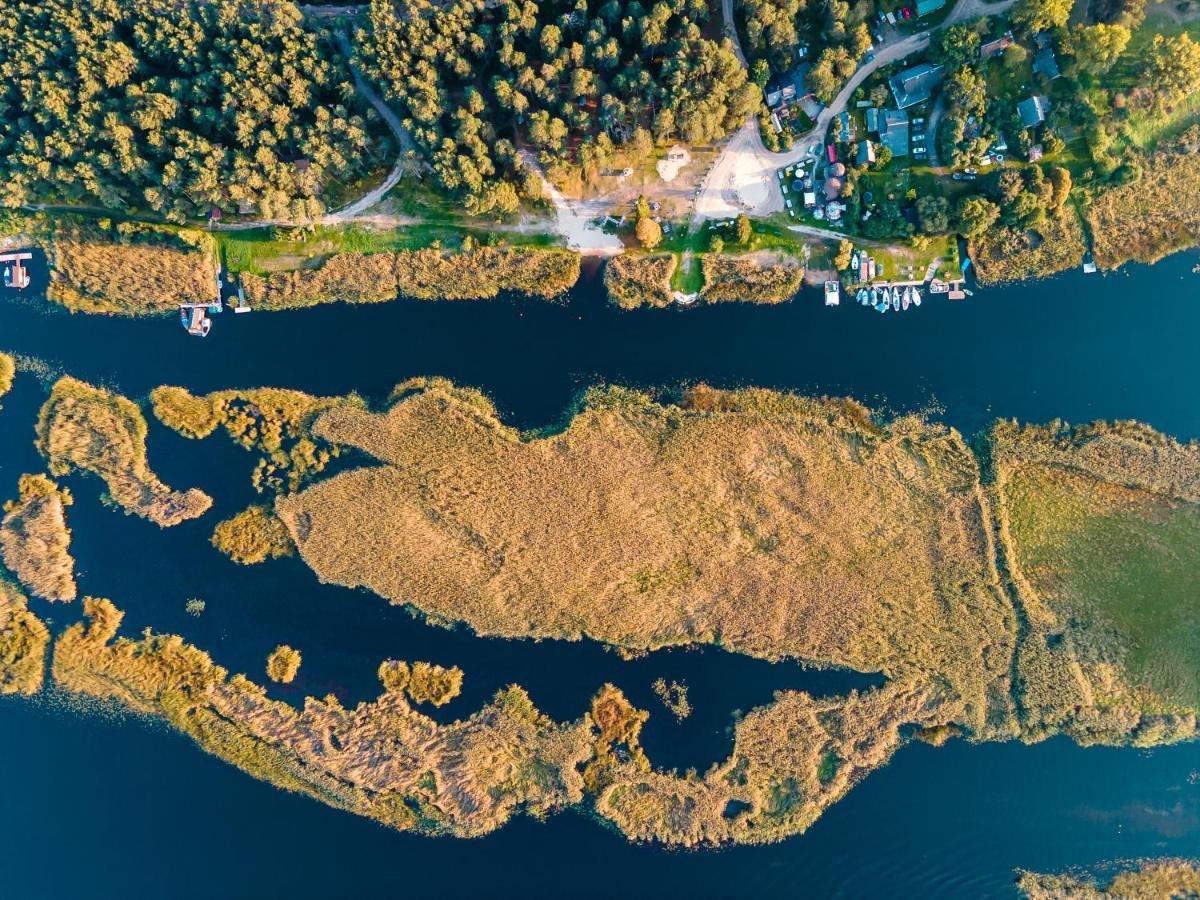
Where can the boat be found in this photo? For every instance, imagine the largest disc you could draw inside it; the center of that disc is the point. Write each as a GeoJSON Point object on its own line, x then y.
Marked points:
{"type": "Point", "coordinates": [194, 321]}
{"type": "Point", "coordinates": [871, 268]}
{"type": "Point", "coordinates": [916, 296]}
{"type": "Point", "coordinates": [895, 300]}
{"type": "Point", "coordinates": [832, 293]}
{"type": "Point", "coordinates": [938, 286]}
{"type": "Point", "coordinates": [854, 262]}
{"type": "Point", "coordinates": [906, 297]}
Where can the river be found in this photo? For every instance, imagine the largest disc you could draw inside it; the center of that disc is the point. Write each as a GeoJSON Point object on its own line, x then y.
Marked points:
{"type": "Point", "coordinates": [101, 807]}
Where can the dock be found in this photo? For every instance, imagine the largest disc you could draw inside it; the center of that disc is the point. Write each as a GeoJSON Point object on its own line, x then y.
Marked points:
{"type": "Point", "coordinates": [15, 273]}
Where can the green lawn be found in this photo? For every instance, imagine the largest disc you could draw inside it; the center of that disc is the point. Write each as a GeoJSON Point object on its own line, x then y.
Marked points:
{"type": "Point", "coordinates": [1119, 562]}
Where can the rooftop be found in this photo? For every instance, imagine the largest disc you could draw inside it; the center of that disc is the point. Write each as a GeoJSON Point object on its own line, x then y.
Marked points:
{"type": "Point", "coordinates": [1046, 64]}
{"type": "Point", "coordinates": [915, 85]}
{"type": "Point", "coordinates": [1033, 111]}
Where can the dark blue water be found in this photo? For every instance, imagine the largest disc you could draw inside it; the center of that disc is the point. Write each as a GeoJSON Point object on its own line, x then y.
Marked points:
{"type": "Point", "coordinates": [140, 811]}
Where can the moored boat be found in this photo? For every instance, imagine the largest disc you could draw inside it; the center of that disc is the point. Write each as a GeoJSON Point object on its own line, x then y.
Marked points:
{"type": "Point", "coordinates": [916, 296]}
{"type": "Point", "coordinates": [832, 293]}
{"type": "Point", "coordinates": [906, 297]}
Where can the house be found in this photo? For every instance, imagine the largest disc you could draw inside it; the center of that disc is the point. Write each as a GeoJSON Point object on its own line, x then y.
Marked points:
{"type": "Point", "coordinates": [893, 131]}
{"type": "Point", "coordinates": [1035, 153]}
{"type": "Point", "coordinates": [872, 116]}
{"type": "Point", "coordinates": [775, 123]}
{"type": "Point", "coordinates": [866, 153]}
{"type": "Point", "coordinates": [1046, 64]}
{"type": "Point", "coordinates": [810, 199]}
{"type": "Point", "coordinates": [843, 131]}
{"type": "Point", "coordinates": [925, 7]}
{"type": "Point", "coordinates": [1033, 111]}
{"type": "Point", "coordinates": [994, 48]}
{"type": "Point", "coordinates": [916, 85]}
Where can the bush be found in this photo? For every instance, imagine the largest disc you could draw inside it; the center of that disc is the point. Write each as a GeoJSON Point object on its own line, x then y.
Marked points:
{"type": "Point", "coordinates": [634, 280]}
{"type": "Point", "coordinates": [252, 536]}
{"type": "Point", "coordinates": [283, 664]}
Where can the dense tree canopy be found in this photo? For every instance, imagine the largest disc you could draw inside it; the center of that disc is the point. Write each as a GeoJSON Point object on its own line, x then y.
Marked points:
{"type": "Point", "coordinates": [576, 79]}
{"type": "Point", "coordinates": [175, 107]}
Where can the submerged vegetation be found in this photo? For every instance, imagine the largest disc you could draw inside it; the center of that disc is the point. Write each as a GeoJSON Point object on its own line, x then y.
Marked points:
{"type": "Point", "coordinates": [674, 697]}
{"type": "Point", "coordinates": [252, 536]}
{"type": "Point", "coordinates": [35, 542]}
{"type": "Point", "coordinates": [283, 664]}
{"type": "Point", "coordinates": [88, 428]}
{"type": "Point", "coordinates": [23, 644]}
{"type": "Point", "coordinates": [476, 274]}
{"type": "Point", "coordinates": [1148, 881]}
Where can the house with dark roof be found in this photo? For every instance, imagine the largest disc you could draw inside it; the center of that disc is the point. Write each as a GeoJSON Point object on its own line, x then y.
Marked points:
{"type": "Point", "coordinates": [872, 116]}
{"type": "Point", "coordinates": [994, 48]}
{"type": "Point", "coordinates": [866, 153]}
{"type": "Point", "coordinates": [1046, 64]}
{"type": "Point", "coordinates": [1033, 111]}
{"type": "Point", "coordinates": [893, 131]}
{"type": "Point", "coordinates": [916, 85]}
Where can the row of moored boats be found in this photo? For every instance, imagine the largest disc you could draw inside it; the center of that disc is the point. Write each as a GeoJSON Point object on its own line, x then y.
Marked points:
{"type": "Point", "coordinates": [885, 298]}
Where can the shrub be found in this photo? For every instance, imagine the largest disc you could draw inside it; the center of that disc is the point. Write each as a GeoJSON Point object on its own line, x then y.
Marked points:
{"type": "Point", "coordinates": [252, 536]}
{"type": "Point", "coordinates": [283, 664]}
{"type": "Point", "coordinates": [634, 280]}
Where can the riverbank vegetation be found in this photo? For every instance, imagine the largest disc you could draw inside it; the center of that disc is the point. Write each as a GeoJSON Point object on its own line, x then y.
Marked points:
{"type": "Point", "coordinates": [24, 641]}
{"type": "Point", "coordinates": [130, 269]}
{"type": "Point", "coordinates": [430, 683]}
{"type": "Point", "coordinates": [87, 428]}
{"type": "Point", "coordinates": [282, 664]}
{"type": "Point", "coordinates": [1146, 881]}
{"type": "Point", "coordinates": [252, 536]}
{"type": "Point", "coordinates": [1055, 244]}
{"type": "Point", "coordinates": [270, 421]}
{"type": "Point", "coordinates": [1102, 527]}
{"type": "Point", "coordinates": [1157, 215]}
{"type": "Point", "coordinates": [633, 280]}
{"type": "Point", "coordinates": [476, 274]}
{"type": "Point", "coordinates": [237, 105]}
{"type": "Point", "coordinates": [747, 280]}
{"type": "Point", "coordinates": [466, 778]}
{"type": "Point", "coordinates": [35, 541]}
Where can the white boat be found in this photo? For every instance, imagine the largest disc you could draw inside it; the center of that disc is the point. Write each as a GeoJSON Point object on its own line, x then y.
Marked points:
{"type": "Point", "coordinates": [871, 268]}
{"type": "Point", "coordinates": [906, 297]}
{"type": "Point", "coordinates": [895, 300]}
{"type": "Point", "coordinates": [916, 296]}
{"type": "Point", "coordinates": [937, 286]}
{"type": "Point", "coordinates": [854, 262]}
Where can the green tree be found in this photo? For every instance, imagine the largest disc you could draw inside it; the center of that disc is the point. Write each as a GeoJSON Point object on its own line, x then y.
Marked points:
{"type": "Point", "coordinates": [957, 46]}
{"type": "Point", "coordinates": [1097, 47]}
{"type": "Point", "coordinates": [933, 213]}
{"type": "Point", "coordinates": [976, 215]}
{"type": "Point", "coordinates": [1041, 15]}
{"type": "Point", "coordinates": [1171, 67]}
{"type": "Point", "coordinates": [742, 229]}
{"type": "Point", "coordinates": [1060, 183]}
{"type": "Point", "coordinates": [649, 233]}
{"type": "Point", "coordinates": [715, 244]}
{"type": "Point", "coordinates": [760, 73]}
{"type": "Point", "coordinates": [841, 262]}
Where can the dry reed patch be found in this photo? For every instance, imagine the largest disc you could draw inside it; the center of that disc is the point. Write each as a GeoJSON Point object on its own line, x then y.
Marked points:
{"type": "Point", "coordinates": [8, 370]}
{"type": "Point", "coordinates": [271, 421]}
{"type": "Point", "coordinates": [23, 644]}
{"type": "Point", "coordinates": [283, 664]}
{"type": "Point", "coordinates": [96, 275]}
{"type": "Point", "coordinates": [1057, 244]}
{"type": "Point", "coordinates": [88, 428]}
{"type": "Point", "coordinates": [1149, 881]}
{"type": "Point", "coordinates": [382, 759]}
{"type": "Point", "coordinates": [1155, 215]}
{"type": "Point", "coordinates": [424, 274]}
{"type": "Point", "coordinates": [773, 526]}
{"type": "Point", "coordinates": [634, 280]}
{"type": "Point", "coordinates": [35, 541]}
{"type": "Point", "coordinates": [253, 536]}
{"type": "Point", "coordinates": [744, 280]}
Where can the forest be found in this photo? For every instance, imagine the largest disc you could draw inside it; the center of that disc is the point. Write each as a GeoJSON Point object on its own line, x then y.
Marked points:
{"type": "Point", "coordinates": [577, 82]}
{"type": "Point", "coordinates": [176, 108]}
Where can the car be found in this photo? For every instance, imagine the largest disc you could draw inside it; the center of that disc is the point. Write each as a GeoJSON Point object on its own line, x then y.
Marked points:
{"type": "Point", "coordinates": [919, 120]}
{"type": "Point", "coordinates": [870, 55]}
